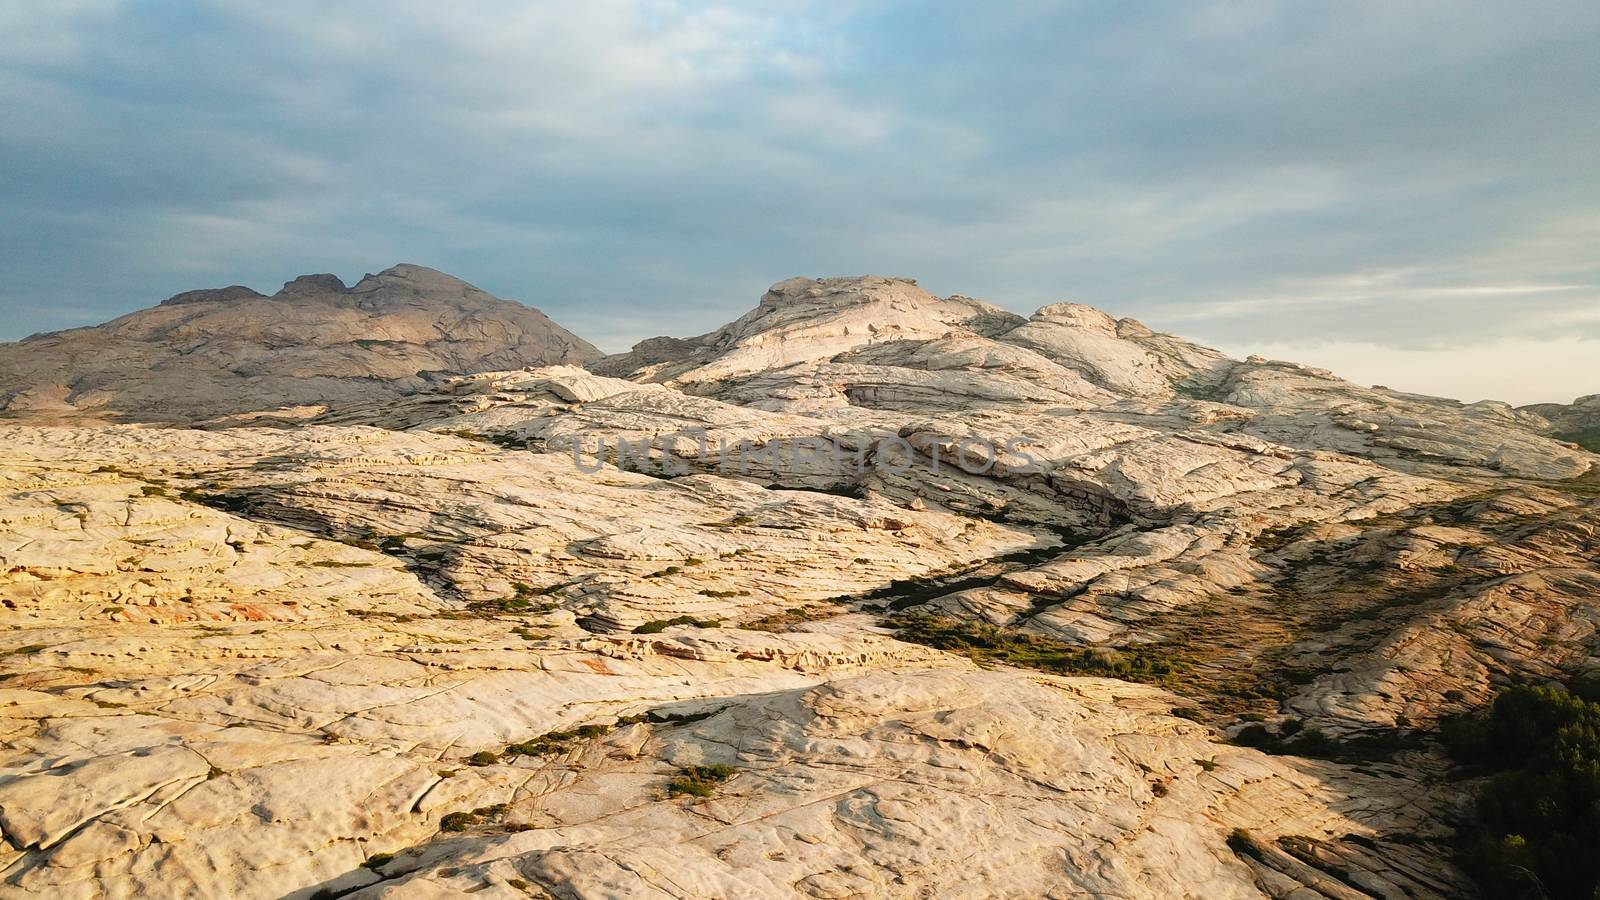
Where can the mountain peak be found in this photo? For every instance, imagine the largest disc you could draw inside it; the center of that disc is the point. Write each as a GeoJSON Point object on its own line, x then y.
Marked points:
{"type": "Point", "coordinates": [407, 281]}
{"type": "Point", "coordinates": [1078, 315]}
{"type": "Point", "coordinates": [840, 291]}
{"type": "Point", "coordinates": [313, 284]}
{"type": "Point", "coordinates": [213, 295]}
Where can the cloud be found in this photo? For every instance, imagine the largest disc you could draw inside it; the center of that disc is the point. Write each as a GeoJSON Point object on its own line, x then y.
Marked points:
{"type": "Point", "coordinates": [1400, 176]}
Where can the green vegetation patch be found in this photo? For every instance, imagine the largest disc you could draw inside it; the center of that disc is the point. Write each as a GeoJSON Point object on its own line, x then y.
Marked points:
{"type": "Point", "coordinates": [986, 643]}
{"type": "Point", "coordinates": [1587, 438]}
{"type": "Point", "coordinates": [1538, 825]}
{"type": "Point", "coordinates": [700, 781]}
{"type": "Point", "coordinates": [556, 741]}
{"type": "Point", "coordinates": [521, 601]}
{"type": "Point", "coordinates": [784, 621]}
{"type": "Point", "coordinates": [457, 821]}
{"type": "Point", "coordinates": [656, 626]}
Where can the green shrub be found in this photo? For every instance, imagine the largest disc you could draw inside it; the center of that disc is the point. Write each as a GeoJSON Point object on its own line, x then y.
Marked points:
{"type": "Point", "coordinates": [1538, 828]}
{"type": "Point", "coordinates": [457, 821]}
{"type": "Point", "coordinates": [556, 741]}
{"type": "Point", "coordinates": [656, 626]}
{"type": "Point", "coordinates": [716, 773]}
{"type": "Point", "coordinates": [700, 781]}
{"type": "Point", "coordinates": [483, 758]}
{"type": "Point", "coordinates": [1240, 841]}
{"type": "Point", "coordinates": [690, 787]}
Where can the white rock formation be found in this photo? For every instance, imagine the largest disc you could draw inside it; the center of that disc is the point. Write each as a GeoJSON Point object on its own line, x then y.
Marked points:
{"type": "Point", "coordinates": [398, 642]}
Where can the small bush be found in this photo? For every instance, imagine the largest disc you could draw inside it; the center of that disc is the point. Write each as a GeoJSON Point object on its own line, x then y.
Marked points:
{"type": "Point", "coordinates": [483, 758]}
{"type": "Point", "coordinates": [556, 741]}
{"type": "Point", "coordinates": [656, 626]}
{"type": "Point", "coordinates": [712, 773]}
{"type": "Point", "coordinates": [783, 621]}
{"type": "Point", "coordinates": [689, 786]}
{"type": "Point", "coordinates": [700, 781]}
{"type": "Point", "coordinates": [457, 821]}
{"type": "Point", "coordinates": [1240, 841]}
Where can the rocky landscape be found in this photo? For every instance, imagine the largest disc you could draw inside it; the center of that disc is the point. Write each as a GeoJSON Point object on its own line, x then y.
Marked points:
{"type": "Point", "coordinates": [402, 591]}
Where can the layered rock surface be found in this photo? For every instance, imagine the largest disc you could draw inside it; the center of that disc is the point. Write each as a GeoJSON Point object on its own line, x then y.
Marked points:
{"type": "Point", "coordinates": [632, 630]}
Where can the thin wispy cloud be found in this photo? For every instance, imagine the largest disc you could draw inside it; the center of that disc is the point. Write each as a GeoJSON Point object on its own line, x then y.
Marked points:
{"type": "Point", "coordinates": [1233, 171]}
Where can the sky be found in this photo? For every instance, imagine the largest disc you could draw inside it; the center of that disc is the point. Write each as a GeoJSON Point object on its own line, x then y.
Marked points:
{"type": "Point", "coordinates": [1407, 193]}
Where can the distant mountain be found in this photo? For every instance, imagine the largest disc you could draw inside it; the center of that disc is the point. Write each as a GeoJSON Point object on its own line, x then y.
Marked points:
{"type": "Point", "coordinates": [1578, 421]}
{"type": "Point", "coordinates": [815, 344]}
{"type": "Point", "coordinates": [858, 348]}
{"type": "Point", "coordinates": [209, 353]}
